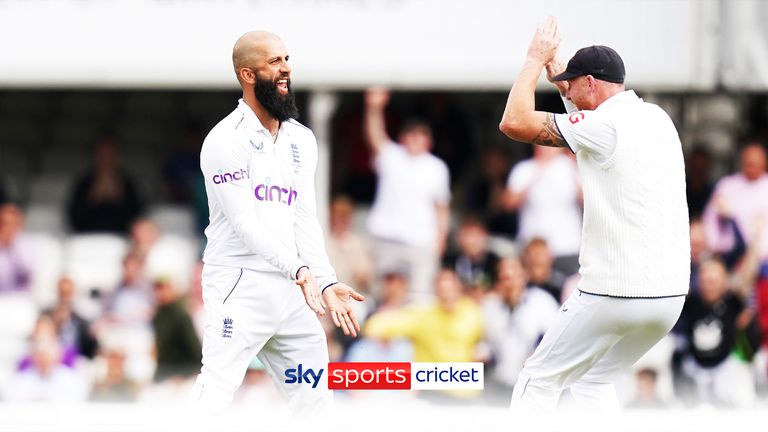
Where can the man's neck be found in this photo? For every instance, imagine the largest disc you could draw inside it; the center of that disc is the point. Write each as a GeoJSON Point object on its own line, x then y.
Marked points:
{"type": "Point", "coordinates": [262, 114]}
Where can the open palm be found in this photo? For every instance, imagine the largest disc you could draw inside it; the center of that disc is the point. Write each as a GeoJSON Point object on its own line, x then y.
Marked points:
{"type": "Point", "coordinates": [338, 299]}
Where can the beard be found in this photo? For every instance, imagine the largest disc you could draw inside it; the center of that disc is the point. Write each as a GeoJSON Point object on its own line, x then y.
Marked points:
{"type": "Point", "coordinates": [280, 107]}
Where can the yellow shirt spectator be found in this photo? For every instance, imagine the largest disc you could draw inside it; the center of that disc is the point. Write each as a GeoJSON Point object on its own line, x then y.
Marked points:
{"type": "Point", "coordinates": [445, 332]}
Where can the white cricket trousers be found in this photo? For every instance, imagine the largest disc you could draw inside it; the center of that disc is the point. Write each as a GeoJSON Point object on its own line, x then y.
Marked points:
{"type": "Point", "coordinates": [594, 339]}
{"type": "Point", "coordinates": [250, 313]}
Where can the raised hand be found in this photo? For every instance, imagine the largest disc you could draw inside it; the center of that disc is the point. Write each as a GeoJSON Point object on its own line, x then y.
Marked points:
{"type": "Point", "coordinates": [544, 45]}
{"type": "Point", "coordinates": [377, 97]}
{"type": "Point", "coordinates": [556, 67]}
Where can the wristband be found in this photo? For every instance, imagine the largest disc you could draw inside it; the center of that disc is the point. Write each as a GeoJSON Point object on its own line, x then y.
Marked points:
{"type": "Point", "coordinates": [299, 269]}
{"type": "Point", "coordinates": [326, 287]}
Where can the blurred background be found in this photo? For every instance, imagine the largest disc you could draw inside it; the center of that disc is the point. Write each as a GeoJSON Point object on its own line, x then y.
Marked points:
{"type": "Point", "coordinates": [104, 105]}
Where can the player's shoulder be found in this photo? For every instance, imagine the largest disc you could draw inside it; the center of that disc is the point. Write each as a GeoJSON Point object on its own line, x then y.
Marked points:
{"type": "Point", "coordinates": [222, 138]}
{"type": "Point", "coordinates": [295, 128]}
{"type": "Point", "coordinates": [226, 128]}
{"type": "Point", "coordinates": [583, 118]}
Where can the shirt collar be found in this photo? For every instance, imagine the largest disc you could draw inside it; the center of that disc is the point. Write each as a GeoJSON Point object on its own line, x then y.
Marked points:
{"type": "Point", "coordinates": [253, 121]}
{"type": "Point", "coordinates": [625, 96]}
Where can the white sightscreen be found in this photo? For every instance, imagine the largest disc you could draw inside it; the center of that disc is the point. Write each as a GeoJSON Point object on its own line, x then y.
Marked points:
{"type": "Point", "coordinates": [469, 44]}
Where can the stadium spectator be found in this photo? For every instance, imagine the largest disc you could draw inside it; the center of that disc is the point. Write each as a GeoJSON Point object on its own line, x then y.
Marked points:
{"type": "Point", "coordinates": [114, 385]}
{"type": "Point", "coordinates": [73, 330]}
{"type": "Point", "coordinates": [16, 254]}
{"type": "Point", "coordinates": [448, 330]}
{"type": "Point", "coordinates": [176, 343]}
{"type": "Point", "coordinates": [104, 198]}
{"type": "Point", "coordinates": [347, 250]}
{"type": "Point", "coordinates": [392, 297]}
{"type": "Point", "coordinates": [485, 193]}
{"type": "Point", "coordinates": [394, 292]}
{"type": "Point", "coordinates": [714, 320]}
{"type": "Point", "coordinates": [47, 379]}
{"type": "Point", "coordinates": [131, 304]}
{"type": "Point", "coordinates": [545, 190]}
{"type": "Point", "coordinates": [698, 178]}
{"type": "Point", "coordinates": [45, 329]}
{"type": "Point", "coordinates": [646, 393]}
{"type": "Point", "coordinates": [144, 235]}
{"type": "Point", "coordinates": [515, 318]}
{"type": "Point", "coordinates": [410, 216]}
{"type": "Point", "coordinates": [538, 264]}
{"type": "Point", "coordinates": [474, 263]}
{"type": "Point", "coordinates": [745, 195]}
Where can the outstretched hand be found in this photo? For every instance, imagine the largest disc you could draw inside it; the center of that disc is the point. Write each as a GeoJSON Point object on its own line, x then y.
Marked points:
{"type": "Point", "coordinates": [310, 290]}
{"type": "Point", "coordinates": [544, 45]}
{"type": "Point", "coordinates": [339, 298]}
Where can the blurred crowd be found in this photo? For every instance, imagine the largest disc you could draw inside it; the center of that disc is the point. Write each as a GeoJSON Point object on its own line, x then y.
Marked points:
{"type": "Point", "coordinates": [479, 277]}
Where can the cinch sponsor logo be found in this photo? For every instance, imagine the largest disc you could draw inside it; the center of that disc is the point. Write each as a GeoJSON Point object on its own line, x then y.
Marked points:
{"type": "Point", "coordinates": [223, 177]}
{"type": "Point", "coordinates": [266, 192]}
{"type": "Point", "coordinates": [392, 376]}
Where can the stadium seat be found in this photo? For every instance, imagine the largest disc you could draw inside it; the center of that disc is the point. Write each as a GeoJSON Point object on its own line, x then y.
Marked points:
{"type": "Point", "coordinates": [48, 267]}
{"type": "Point", "coordinates": [53, 189]}
{"type": "Point", "coordinates": [25, 103]}
{"type": "Point", "coordinates": [94, 106]}
{"type": "Point", "coordinates": [719, 110]}
{"type": "Point", "coordinates": [94, 262]}
{"type": "Point", "coordinates": [174, 219]}
{"type": "Point", "coordinates": [174, 257]}
{"type": "Point", "coordinates": [149, 105]}
{"type": "Point", "coordinates": [45, 218]}
{"type": "Point", "coordinates": [19, 133]}
{"type": "Point", "coordinates": [75, 135]}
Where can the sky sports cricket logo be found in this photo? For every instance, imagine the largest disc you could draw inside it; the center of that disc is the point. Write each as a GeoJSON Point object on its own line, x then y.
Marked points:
{"type": "Point", "coordinates": [391, 376]}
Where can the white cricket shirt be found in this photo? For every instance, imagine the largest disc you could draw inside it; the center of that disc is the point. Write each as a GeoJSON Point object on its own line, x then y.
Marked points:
{"type": "Point", "coordinates": [261, 197]}
{"type": "Point", "coordinates": [635, 235]}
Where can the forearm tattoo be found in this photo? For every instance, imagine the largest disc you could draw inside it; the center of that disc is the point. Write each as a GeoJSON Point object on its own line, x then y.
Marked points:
{"type": "Point", "coordinates": [549, 135]}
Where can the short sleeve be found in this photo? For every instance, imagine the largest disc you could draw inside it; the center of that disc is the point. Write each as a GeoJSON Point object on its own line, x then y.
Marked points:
{"type": "Point", "coordinates": [589, 131]}
{"type": "Point", "coordinates": [443, 189]}
{"type": "Point", "coordinates": [520, 177]}
{"type": "Point", "coordinates": [384, 158]}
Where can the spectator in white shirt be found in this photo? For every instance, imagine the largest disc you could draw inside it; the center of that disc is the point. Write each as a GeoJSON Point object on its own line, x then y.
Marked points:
{"type": "Point", "coordinates": [410, 214]}
{"type": "Point", "coordinates": [545, 191]}
{"type": "Point", "coordinates": [515, 319]}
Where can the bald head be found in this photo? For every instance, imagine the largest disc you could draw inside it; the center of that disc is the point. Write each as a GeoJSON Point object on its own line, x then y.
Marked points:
{"type": "Point", "coordinates": [254, 46]}
{"type": "Point", "coordinates": [260, 60]}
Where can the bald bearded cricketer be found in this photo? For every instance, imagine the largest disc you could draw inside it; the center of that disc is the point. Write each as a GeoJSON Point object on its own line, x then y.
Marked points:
{"type": "Point", "coordinates": [266, 275]}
